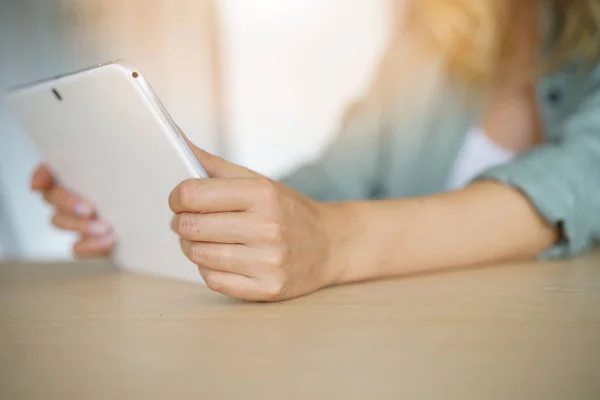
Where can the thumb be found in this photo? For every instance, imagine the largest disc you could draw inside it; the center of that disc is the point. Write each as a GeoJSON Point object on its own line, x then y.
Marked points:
{"type": "Point", "coordinates": [217, 167]}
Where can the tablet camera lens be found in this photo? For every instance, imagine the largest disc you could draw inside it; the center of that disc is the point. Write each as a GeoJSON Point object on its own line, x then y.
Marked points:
{"type": "Point", "coordinates": [57, 95]}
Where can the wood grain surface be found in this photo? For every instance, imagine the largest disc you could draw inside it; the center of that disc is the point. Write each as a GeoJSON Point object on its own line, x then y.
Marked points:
{"type": "Point", "coordinates": [86, 331]}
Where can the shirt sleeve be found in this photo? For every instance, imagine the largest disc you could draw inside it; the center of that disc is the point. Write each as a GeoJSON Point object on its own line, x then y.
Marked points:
{"type": "Point", "coordinates": [351, 166]}
{"type": "Point", "coordinates": [562, 179]}
{"type": "Point", "coordinates": [348, 168]}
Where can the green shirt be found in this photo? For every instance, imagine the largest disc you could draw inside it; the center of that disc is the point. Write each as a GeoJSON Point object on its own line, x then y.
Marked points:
{"type": "Point", "coordinates": [398, 142]}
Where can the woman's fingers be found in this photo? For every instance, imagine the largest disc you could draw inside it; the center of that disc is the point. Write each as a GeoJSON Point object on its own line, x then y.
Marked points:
{"type": "Point", "coordinates": [236, 286]}
{"type": "Point", "coordinates": [42, 178]}
{"type": "Point", "coordinates": [73, 214]}
{"type": "Point", "coordinates": [238, 271]}
{"type": "Point", "coordinates": [233, 258]}
{"type": "Point", "coordinates": [221, 195]}
{"type": "Point", "coordinates": [67, 202]}
{"type": "Point", "coordinates": [43, 181]}
{"type": "Point", "coordinates": [89, 246]}
{"type": "Point", "coordinates": [215, 166]}
{"type": "Point", "coordinates": [85, 226]}
{"type": "Point", "coordinates": [232, 228]}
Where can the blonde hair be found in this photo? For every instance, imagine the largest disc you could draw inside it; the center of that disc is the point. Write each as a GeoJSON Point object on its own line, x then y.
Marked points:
{"type": "Point", "coordinates": [476, 37]}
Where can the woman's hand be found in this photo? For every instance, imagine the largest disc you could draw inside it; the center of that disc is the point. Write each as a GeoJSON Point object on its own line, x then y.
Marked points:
{"type": "Point", "coordinates": [75, 214]}
{"type": "Point", "coordinates": [253, 238]}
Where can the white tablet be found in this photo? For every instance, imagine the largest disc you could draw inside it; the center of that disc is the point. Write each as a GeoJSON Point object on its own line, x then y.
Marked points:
{"type": "Point", "coordinates": [108, 138]}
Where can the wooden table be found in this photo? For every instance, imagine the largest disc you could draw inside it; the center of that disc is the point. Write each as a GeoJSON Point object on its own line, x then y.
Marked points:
{"type": "Point", "coordinates": [85, 331]}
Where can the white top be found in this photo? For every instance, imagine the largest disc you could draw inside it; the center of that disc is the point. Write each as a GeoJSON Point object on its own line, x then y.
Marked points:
{"type": "Point", "coordinates": [477, 154]}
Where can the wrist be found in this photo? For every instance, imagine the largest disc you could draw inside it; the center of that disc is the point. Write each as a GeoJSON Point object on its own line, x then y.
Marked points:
{"type": "Point", "coordinates": [342, 229]}
{"type": "Point", "coordinates": [357, 244]}
{"type": "Point", "coordinates": [382, 239]}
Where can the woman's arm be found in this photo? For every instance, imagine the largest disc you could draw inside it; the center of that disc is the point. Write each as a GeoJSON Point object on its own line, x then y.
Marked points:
{"type": "Point", "coordinates": [546, 203]}
{"type": "Point", "coordinates": [256, 239]}
{"type": "Point", "coordinates": [483, 223]}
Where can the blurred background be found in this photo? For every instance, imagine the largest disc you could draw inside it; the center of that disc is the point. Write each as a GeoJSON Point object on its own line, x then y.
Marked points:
{"type": "Point", "coordinates": [261, 83]}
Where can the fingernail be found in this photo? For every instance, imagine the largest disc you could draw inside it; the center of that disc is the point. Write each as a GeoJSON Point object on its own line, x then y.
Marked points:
{"type": "Point", "coordinates": [83, 210]}
{"type": "Point", "coordinates": [107, 241]}
{"type": "Point", "coordinates": [99, 228]}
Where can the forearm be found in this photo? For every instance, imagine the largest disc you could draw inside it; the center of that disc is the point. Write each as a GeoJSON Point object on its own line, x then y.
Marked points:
{"type": "Point", "coordinates": [484, 223]}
